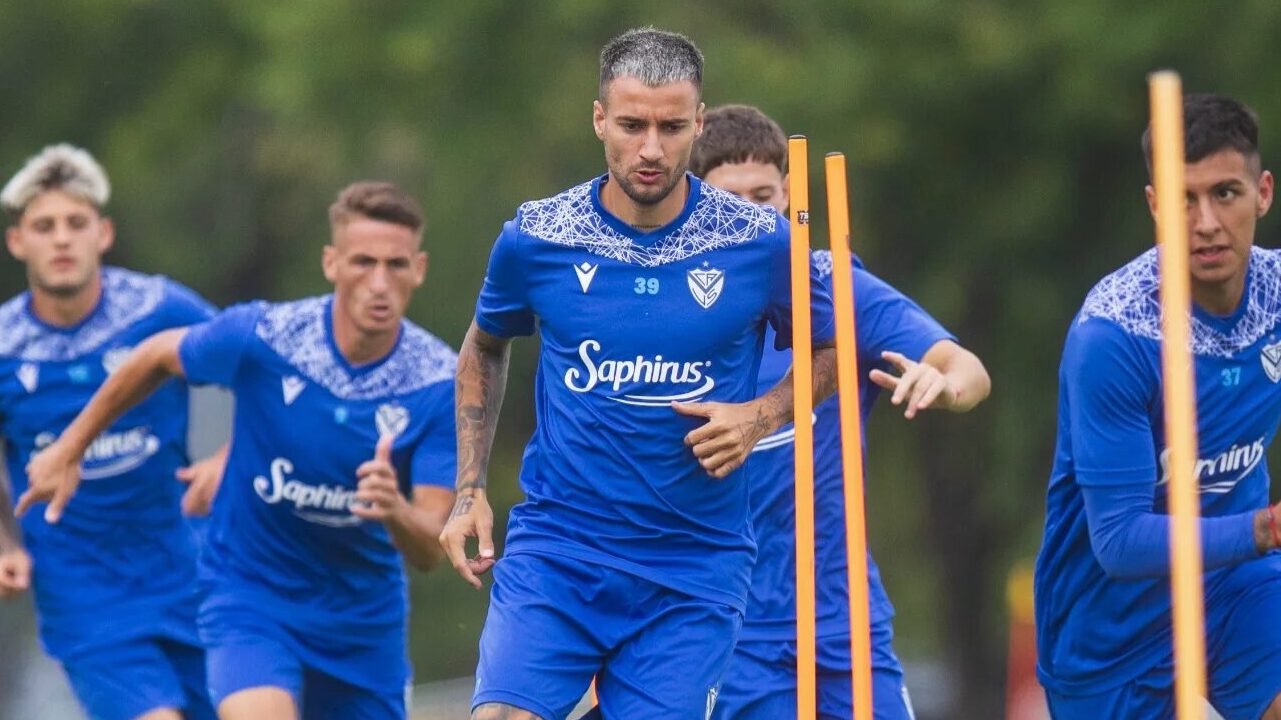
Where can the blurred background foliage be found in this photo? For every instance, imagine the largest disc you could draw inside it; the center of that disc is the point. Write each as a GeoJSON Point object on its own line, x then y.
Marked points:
{"type": "Point", "coordinates": [993, 154]}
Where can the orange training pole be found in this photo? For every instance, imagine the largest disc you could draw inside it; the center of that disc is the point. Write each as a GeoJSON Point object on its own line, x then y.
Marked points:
{"type": "Point", "coordinates": [838, 222]}
{"type": "Point", "coordinates": [1180, 398]}
{"type": "Point", "coordinates": [803, 383]}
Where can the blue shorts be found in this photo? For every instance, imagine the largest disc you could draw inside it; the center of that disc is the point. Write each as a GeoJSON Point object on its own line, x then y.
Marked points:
{"type": "Point", "coordinates": [1242, 662]}
{"type": "Point", "coordinates": [761, 681]}
{"type": "Point", "coordinates": [131, 678]}
{"type": "Point", "coordinates": [554, 623]}
{"type": "Point", "coordinates": [247, 651]}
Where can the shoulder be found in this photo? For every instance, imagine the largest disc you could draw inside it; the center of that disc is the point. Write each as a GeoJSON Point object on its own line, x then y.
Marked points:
{"type": "Point", "coordinates": [19, 329]}
{"type": "Point", "coordinates": [425, 358]}
{"type": "Point", "coordinates": [1127, 298]}
{"type": "Point", "coordinates": [730, 218]}
{"type": "Point", "coordinates": [561, 218]}
{"type": "Point", "coordinates": [287, 325]}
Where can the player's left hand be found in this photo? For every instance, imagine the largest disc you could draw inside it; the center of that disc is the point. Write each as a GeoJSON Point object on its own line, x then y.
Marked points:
{"type": "Point", "coordinates": [53, 475]}
{"type": "Point", "coordinates": [920, 384]}
{"type": "Point", "coordinates": [203, 478]}
{"type": "Point", "coordinates": [724, 442]}
{"type": "Point", "coordinates": [15, 572]}
{"type": "Point", "coordinates": [377, 492]}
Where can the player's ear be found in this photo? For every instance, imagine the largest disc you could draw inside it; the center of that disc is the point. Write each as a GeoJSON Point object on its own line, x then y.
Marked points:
{"type": "Point", "coordinates": [106, 234]}
{"type": "Point", "coordinates": [13, 240]}
{"type": "Point", "coordinates": [598, 119]}
{"type": "Point", "coordinates": [421, 263]}
{"type": "Point", "coordinates": [1267, 190]}
{"type": "Point", "coordinates": [329, 262]}
{"type": "Point", "coordinates": [1149, 192]}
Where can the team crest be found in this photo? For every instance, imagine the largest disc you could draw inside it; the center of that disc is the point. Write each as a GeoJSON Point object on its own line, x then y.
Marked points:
{"type": "Point", "coordinates": [1270, 356]}
{"type": "Point", "coordinates": [391, 419]}
{"type": "Point", "coordinates": [114, 358]}
{"type": "Point", "coordinates": [706, 284]}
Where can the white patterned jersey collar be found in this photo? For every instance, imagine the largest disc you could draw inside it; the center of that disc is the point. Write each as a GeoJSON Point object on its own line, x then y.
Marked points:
{"type": "Point", "coordinates": [299, 333]}
{"type": "Point", "coordinates": [1130, 298]}
{"type": "Point", "coordinates": [574, 217]}
{"type": "Point", "coordinates": [127, 297]}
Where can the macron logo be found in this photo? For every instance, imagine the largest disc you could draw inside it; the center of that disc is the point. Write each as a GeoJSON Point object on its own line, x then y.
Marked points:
{"type": "Point", "coordinates": [290, 387]}
{"type": "Point", "coordinates": [585, 272]}
{"type": "Point", "coordinates": [29, 376]}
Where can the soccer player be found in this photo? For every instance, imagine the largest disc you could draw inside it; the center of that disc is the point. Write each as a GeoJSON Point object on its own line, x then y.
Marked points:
{"type": "Point", "coordinates": [1102, 576]}
{"type": "Point", "coordinates": [342, 452]}
{"type": "Point", "coordinates": [630, 557]}
{"type": "Point", "coordinates": [908, 353]}
{"type": "Point", "coordinates": [114, 587]}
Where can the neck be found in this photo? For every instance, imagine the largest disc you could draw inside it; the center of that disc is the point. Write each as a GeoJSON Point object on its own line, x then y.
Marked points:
{"type": "Point", "coordinates": [357, 346]}
{"type": "Point", "coordinates": [1219, 298]}
{"type": "Point", "coordinates": [66, 310]}
{"type": "Point", "coordinates": [642, 216]}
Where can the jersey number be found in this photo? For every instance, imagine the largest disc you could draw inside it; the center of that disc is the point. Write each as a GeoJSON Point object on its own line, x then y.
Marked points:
{"type": "Point", "coordinates": [646, 286]}
{"type": "Point", "coordinates": [1231, 377]}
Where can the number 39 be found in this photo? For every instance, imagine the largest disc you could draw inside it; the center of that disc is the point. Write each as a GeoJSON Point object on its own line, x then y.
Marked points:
{"type": "Point", "coordinates": [646, 286]}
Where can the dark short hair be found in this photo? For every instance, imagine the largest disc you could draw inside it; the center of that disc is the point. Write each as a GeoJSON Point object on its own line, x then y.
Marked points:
{"type": "Point", "coordinates": [1212, 123]}
{"type": "Point", "coordinates": [377, 201]}
{"type": "Point", "coordinates": [738, 134]}
{"type": "Point", "coordinates": [655, 57]}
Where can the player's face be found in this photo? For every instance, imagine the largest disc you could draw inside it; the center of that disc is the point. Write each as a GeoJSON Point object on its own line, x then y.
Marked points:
{"type": "Point", "coordinates": [1226, 196]}
{"type": "Point", "coordinates": [755, 182]}
{"type": "Point", "coordinates": [374, 266]}
{"type": "Point", "coordinates": [648, 133]}
{"type": "Point", "coordinates": [61, 238]}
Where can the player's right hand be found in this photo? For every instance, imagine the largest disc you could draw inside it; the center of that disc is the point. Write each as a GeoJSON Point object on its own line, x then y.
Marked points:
{"type": "Point", "coordinates": [53, 475]}
{"type": "Point", "coordinates": [15, 572]}
{"type": "Point", "coordinates": [472, 517]}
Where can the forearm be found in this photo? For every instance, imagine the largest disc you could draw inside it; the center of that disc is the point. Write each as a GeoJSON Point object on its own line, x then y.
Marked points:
{"type": "Point", "coordinates": [777, 407]}
{"type": "Point", "coordinates": [1132, 542]}
{"type": "Point", "coordinates": [10, 535]}
{"type": "Point", "coordinates": [480, 384]}
{"type": "Point", "coordinates": [416, 533]}
{"type": "Point", "coordinates": [147, 367]}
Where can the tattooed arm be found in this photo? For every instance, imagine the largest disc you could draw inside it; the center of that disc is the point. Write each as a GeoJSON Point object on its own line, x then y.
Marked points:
{"type": "Point", "coordinates": [733, 429]}
{"type": "Point", "coordinates": [480, 383]}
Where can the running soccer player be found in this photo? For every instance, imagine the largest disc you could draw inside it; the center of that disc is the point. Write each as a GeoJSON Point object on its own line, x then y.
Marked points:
{"type": "Point", "coordinates": [745, 152]}
{"type": "Point", "coordinates": [1102, 577]}
{"type": "Point", "coordinates": [114, 587]}
{"type": "Point", "coordinates": [342, 452]}
{"type": "Point", "coordinates": [630, 558]}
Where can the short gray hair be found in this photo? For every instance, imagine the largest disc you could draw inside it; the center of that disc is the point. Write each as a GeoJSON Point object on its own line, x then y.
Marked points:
{"type": "Point", "coordinates": [58, 167]}
{"type": "Point", "coordinates": [655, 57]}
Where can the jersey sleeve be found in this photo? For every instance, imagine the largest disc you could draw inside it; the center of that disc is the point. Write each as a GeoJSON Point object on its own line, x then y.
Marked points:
{"type": "Point", "coordinates": [1131, 541]}
{"type": "Point", "coordinates": [185, 307]}
{"type": "Point", "coordinates": [779, 312]}
{"type": "Point", "coordinates": [211, 352]}
{"type": "Point", "coordinates": [435, 459]}
{"type": "Point", "coordinates": [1108, 386]}
{"type": "Point", "coordinates": [887, 320]}
{"type": "Point", "coordinates": [503, 307]}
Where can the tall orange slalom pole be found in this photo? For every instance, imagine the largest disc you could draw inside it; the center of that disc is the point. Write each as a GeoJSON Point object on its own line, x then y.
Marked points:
{"type": "Point", "coordinates": [1180, 398]}
{"type": "Point", "coordinates": [803, 382]}
{"type": "Point", "coordinates": [838, 223]}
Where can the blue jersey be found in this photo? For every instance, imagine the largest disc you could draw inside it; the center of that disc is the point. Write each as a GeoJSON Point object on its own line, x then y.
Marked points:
{"type": "Point", "coordinates": [121, 545]}
{"type": "Point", "coordinates": [630, 322]}
{"type": "Point", "coordinates": [282, 538]}
{"type": "Point", "coordinates": [885, 319]}
{"type": "Point", "coordinates": [1094, 629]}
